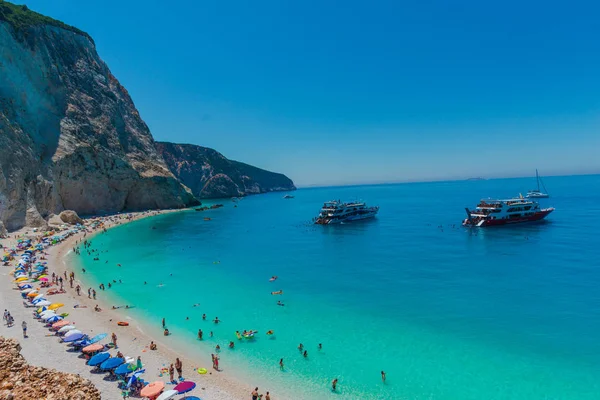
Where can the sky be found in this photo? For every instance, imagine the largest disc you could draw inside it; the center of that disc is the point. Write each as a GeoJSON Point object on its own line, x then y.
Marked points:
{"type": "Point", "coordinates": [334, 93]}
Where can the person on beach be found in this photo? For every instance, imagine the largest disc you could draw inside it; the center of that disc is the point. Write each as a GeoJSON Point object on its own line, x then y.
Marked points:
{"type": "Point", "coordinates": [334, 384]}
{"type": "Point", "coordinates": [94, 294]}
{"type": "Point", "coordinates": [139, 364]}
{"type": "Point", "coordinates": [24, 326]}
{"type": "Point", "coordinates": [200, 333]}
{"type": "Point", "coordinates": [114, 340]}
{"type": "Point", "coordinates": [78, 290]}
{"type": "Point", "coordinates": [281, 364]}
{"type": "Point", "coordinates": [97, 309]}
{"type": "Point", "coordinates": [172, 373]}
{"type": "Point", "coordinates": [152, 346]}
{"type": "Point", "coordinates": [89, 293]}
{"type": "Point", "coordinates": [178, 367]}
{"type": "Point", "coordinates": [267, 396]}
{"type": "Point", "coordinates": [383, 376]}
{"type": "Point", "coordinates": [255, 394]}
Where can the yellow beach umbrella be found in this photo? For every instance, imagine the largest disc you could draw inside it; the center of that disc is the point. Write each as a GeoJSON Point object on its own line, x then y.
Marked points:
{"type": "Point", "coordinates": [32, 294]}
{"type": "Point", "coordinates": [55, 306]}
{"type": "Point", "coordinates": [22, 279]}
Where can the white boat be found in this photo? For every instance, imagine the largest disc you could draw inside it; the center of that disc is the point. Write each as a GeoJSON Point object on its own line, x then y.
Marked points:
{"type": "Point", "coordinates": [537, 193]}
{"type": "Point", "coordinates": [335, 212]}
{"type": "Point", "coordinates": [492, 212]}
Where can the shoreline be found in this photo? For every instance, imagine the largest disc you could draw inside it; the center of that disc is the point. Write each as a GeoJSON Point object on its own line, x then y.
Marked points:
{"type": "Point", "coordinates": [133, 340]}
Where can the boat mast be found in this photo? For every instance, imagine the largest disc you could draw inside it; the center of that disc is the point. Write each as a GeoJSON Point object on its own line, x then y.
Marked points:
{"type": "Point", "coordinates": [537, 178]}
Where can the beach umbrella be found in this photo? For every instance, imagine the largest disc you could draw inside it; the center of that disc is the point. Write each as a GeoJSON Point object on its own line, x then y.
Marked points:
{"type": "Point", "coordinates": [111, 363]}
{"type": "Point", "coordinates": [33, 294]}
{"type": "Point", "coordinates": [35, 302]}
{"type": "Point", "coordinates": [123, 369]}
{"type": "Point", "coordinates": [60, 324]}
{"type": "Point", "coordinates": [21, 276]}
{"type": "Point", "coordinates": [152, 389]}
{"type": "Point", "coordinates": [55, 306]}
{"type": "Point", "coordinates": [39, 297]}
{"type": "Point", "coordinates": [66, 328]}
{"type": "Point", "coordinates": [55, 318]}
{"type": "Point", "coordinates": [27, 290]}
{"type": "Point", "coordinates": [72, 336]}
{"type": "Point", "coordinates": [44, 279]}
{"type": "Point", "coordinates": [134, 377]}
{"type": "Point", "coordinates": [98, 359]}
{"type": "Point", "coordinates": [98, 338]}
{"type": "Point", "coordinates": [43, 303]}
{"type": "Point", "coordinates": [168, 394]}
{"type": "Point", "coordinates": [22, 279]}
{"type": "Point", "coordinates": [184, 387]}
{"type": "Point", "coordinates": [92, 348]}
{"type": "Point", "coordinates": [41, 310]}
{"type": "Point", "coordinates": [47, 313]}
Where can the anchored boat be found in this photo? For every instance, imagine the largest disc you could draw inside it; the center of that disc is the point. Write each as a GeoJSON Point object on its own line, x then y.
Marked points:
{"type": "Point", "coordinates": [335, 212]}
{"type": "Point", "coordinates": [491, 212]}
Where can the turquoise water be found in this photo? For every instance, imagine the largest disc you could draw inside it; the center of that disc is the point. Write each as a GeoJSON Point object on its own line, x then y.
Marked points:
{"type": "Point", "coordinates": [448, 313]}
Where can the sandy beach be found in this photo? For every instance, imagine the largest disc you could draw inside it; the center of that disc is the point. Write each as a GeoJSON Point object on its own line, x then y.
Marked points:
{"type": "Point", "coordinates": [40, 349]}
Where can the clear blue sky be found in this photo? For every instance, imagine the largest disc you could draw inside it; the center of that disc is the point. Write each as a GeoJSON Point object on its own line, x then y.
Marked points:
{"type": "Point", "coordinates": [355, 91]}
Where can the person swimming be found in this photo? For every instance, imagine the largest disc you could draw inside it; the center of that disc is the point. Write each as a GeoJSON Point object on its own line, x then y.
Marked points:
{"type": "Point", "coordinates": [273, 278]}
{"type": "Point", "coordinates": [166, 332]}
{"type": "Point", "coordinates": [279, 303]}
{"type": "Point", "coordinates": [216, 320]}
{"type": "Point", "coordinates": [277, 292]}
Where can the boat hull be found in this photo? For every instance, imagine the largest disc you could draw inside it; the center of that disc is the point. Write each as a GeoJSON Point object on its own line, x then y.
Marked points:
{"type": "Point", "coordinates": [510, 221]}
{"type": "Point", "coordinates": [326, 221]}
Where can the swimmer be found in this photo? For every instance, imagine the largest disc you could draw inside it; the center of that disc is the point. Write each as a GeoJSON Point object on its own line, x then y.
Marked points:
{"type": "Point", "coordinates": [383, 376]}
{"type": "Point", "coordinates": [273, 278]}
{"type": "Point", "coordinates": [278, 292]}
{"type": "Point", "coordinates": [187, 318]}
{"type": "Point", "coordinates": [204, 317]}
{"type": "Point", "coordinates": [211, 333]}
{"type": "Point", "coordinates": [320, 347]}
{"type": "Point", "coordinates": [218, 348]}
{"type": "Point", "coordinates": [281, 364]}
{"type": "Point", "coordinates": [166, 332]}
{"type": "Point", "coordinates": [216, 320]}
{"type": "Point", "coordinates": [300, 347]}
{"type": "Point", "coordinates": [270, 332]}
{"type": "Point", "coordinates": [231, 345]}
{"type": "Point", "coordinates": [334, 384]}
{"type": "Point", "coordinates": [279, 303]}
{"type": "Point", "coordinates": [196, 305]}
{"type": "Point", "coordinates": [305, 354]}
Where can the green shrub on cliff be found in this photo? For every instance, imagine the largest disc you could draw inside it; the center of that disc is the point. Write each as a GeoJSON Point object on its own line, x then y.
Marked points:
{"type": "Point", "coordinates": [21, 18]}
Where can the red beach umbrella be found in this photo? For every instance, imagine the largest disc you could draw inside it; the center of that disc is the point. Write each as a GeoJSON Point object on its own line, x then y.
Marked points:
{"type": "Point", "coordinates": [185, 387]}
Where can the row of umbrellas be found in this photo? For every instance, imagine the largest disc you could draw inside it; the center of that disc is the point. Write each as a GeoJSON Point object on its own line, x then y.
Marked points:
{"type": "Point", "coordinates": [47, 312]}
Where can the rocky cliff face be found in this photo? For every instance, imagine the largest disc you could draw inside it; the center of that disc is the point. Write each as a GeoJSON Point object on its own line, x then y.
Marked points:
{"type": "Point", "coordinates": [70, 135]}
{"type": "Point", "coordinates": [210, 175]}
{"type": "Point", "coordinates": [22, 381]}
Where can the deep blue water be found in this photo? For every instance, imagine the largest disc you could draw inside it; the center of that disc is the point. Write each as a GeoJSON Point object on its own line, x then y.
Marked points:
{"type": "Point", "coordinates": [447, 312]}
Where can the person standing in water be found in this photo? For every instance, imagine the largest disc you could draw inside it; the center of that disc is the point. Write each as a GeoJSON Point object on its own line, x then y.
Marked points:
{"type": "Point", "coordinates": [383, 376]}
{"type": "Point", "coordinates": [300, 347]}
{"type": "Point", "coordinates": [334, 384]}
{"type": "Point", "coordinates": [163, 322]}
{"type": "Point", "coordinates": [281, 364]}
{"type": "Point", "coordinates": [200, 333]}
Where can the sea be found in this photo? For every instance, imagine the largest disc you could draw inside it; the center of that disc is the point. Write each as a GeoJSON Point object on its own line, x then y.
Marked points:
{"type": "Point", "coordinates": [447, 312]}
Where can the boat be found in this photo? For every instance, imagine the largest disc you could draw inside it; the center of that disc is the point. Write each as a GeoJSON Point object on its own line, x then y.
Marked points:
{"type": "Point", "coordinates": [288, 196]}
{"type": "Point", "coordinates": [335, 212]}
{"type": "Point", "coordinates": [537, 193]}
{"type": "Point", "coordinates": [491, 212]}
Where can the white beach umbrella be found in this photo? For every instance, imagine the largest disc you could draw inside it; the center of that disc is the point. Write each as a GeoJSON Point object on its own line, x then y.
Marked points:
{"type": "Point", "coordinates": [20, 276]}
{"type": "Point", "coordinates": [167, 395]}
{"type": "Point", "coordinates": [38, 297]}
{"type": "Point", "coordinates": [66, 328]}
{"type": "Point", "coordinates": [73, 332]}
{"type": "Point", "coordinates": [46, 313]}
{"type": "Point", "coordinates": [43, 303]}
{"type": "Point", "coordinates": [27, 290]}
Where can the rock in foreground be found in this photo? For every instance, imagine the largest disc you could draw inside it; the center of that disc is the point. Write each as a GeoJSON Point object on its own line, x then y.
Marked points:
{"type": "Point", "coordinates": [20, 380]}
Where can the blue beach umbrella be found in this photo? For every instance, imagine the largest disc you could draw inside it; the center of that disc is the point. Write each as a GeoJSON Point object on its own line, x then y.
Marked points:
{"type": "Point", "coordinates": [112, 363]}
{"type": "Point", "coordinates": [73, 337]}
{"type": "Point", "coordinates": [56, 318]}
{"type": "Point", "coordinates": [134, 377]}
{"type": "Point", "coordinates": [98, 338]}
{"type": "Point", "coordinates": [124, 369]}
{"type": "Point", "coordinates": [98, 359]}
